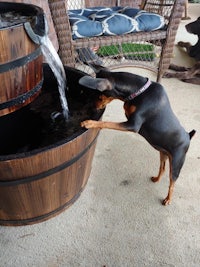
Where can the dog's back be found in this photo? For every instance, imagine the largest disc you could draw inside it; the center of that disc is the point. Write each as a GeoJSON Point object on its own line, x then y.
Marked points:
{"type": "Point", "coordinates": [194, 28]}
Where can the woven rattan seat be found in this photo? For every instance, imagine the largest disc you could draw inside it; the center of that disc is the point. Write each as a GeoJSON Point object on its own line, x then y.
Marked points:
{"type": "Point", "coordinates": [155, 47]}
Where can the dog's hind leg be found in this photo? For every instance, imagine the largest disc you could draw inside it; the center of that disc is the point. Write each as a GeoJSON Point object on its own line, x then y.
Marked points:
{"type": "Point", "coordinates": [176, 162]}
{"type": "Point", "coordinates": [168, 199]}
{"type": "Point", "coordinates": [163, 158]}
{"type": "Point", "coordinates": [178, 68]}
{"type": "Point", "coordinates": [185, 75]}
{"type": "Point", "coordinates": [195, 80]}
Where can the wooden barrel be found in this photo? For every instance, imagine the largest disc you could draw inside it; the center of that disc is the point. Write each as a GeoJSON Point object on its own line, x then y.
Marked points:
{"type": "Point", "coordinates": [36, 185]}
{"type": "Point", "coordinates": [20, 61]}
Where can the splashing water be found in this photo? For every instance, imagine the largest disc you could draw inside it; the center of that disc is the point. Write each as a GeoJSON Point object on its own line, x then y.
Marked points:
{"type": "Point", "coordinates": [56, 66]}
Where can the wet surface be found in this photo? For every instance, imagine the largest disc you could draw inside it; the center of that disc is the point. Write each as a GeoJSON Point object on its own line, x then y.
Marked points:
{"type": "Point", "coordinates": [41, 123]}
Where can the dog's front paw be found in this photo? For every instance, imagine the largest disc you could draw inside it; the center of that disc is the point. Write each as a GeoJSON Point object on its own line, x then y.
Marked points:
{"type": "Point", "coordinates": [181, 44]}
{"type": "Point", "coordinates": [168, 75]}
{"type": "Point", "coordinates": [88, 124]}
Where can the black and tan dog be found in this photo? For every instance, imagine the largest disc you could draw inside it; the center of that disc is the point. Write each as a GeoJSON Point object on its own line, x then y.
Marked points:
{"type": "Point", "coordinates": [188, 74]}
{"type": "Point", "coordinates": [148, 113]}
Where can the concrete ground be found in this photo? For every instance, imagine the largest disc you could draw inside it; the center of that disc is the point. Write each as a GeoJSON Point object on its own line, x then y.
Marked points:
{"type": "Point", "coordinates": [119, 221]}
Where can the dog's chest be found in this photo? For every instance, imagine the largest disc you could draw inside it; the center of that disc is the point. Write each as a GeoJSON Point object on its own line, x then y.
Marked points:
{"type": "Point", "coordinates": [129, 109]}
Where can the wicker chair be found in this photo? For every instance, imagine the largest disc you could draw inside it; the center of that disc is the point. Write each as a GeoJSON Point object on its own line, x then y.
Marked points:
{"type": "Point", "coordinates": [162, 40]}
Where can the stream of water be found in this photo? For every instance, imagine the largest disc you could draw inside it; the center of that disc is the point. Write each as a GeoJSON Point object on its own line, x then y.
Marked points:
{"type": "Point", "coordinates": [57, 67]}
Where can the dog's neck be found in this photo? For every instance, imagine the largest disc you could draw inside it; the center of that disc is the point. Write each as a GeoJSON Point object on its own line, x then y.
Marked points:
{"type": "Point", "coordinates": [126, 86]}
{"type": "Point", "coordinates": [139, 92]}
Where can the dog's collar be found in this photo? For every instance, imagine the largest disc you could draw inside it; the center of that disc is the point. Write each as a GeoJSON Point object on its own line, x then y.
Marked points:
{"type": "Point", "coordinates": [140, 91]}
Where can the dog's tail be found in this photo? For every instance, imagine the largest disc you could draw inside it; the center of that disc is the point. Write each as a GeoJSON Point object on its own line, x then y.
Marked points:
{"type": "Point", "coordinates": [192, 133]}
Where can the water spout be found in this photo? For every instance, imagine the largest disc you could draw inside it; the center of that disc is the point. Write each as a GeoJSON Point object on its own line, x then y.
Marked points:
{"type": "Point", "coordinates": [52, 59]}
{"type": "Point", "coordinates": [56, 65]}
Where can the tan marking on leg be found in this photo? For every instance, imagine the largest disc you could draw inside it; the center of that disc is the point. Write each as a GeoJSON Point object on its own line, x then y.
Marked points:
{"type": "Point", "coordinates": [103, 124]}
{"type": "Point", "coordinates": [129, 109]}
{"type": "Point", "coordinates": [163, 158]}
{"type": "Point", "coordinates": [103, 101]}
{"type": "Point", "coordinates": [168, 199]}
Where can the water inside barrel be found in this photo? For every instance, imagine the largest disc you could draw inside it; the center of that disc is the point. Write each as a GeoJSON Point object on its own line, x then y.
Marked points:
{"type": "Point", "coordinates": [11, 18]}
{"type": "Point", "coordinates": [39, 125]}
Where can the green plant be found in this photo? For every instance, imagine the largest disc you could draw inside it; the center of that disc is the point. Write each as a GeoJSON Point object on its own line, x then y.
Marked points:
{"type": "Point", "coordinates": [129, 51]}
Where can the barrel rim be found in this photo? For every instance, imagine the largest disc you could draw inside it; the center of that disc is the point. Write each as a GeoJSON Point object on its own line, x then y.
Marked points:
{"type": "Point", "coordinates": [20, 24]}
{"type": "Point", "coordinates": [49, 147]}
{"type": "Point", "coordinates": [17, 6]}
{"type": "Point", "coordinates": [50, 171]}
{"type": "Point", "coordinates": [39, 150]}
{"type": "Point", "coordinates": [97, 116]}
{"type": "Point", "coordinates": [24, 8]}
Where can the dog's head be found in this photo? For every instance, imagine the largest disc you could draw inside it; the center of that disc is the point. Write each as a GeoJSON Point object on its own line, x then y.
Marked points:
{"type": "Point", "coordinates": [112, 85]}
{"type": "Point", "coordinates": [194, 27]}
{"type": "Point", "coordinates": [103, 85]}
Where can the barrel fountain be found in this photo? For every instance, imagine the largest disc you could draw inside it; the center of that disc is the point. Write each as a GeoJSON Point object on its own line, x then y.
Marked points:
{"type": "Point", "coordinates": [45, 159]}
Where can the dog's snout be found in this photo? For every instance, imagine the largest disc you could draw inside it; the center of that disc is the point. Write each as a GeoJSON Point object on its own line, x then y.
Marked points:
{"type": "Point", "coordinates": [102, 101]}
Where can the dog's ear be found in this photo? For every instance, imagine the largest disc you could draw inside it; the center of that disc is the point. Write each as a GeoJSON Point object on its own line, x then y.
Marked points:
{"type": "Point", "coordinates": [99, 84]}
{"type": "Point", "coordinates": [97, 68]}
